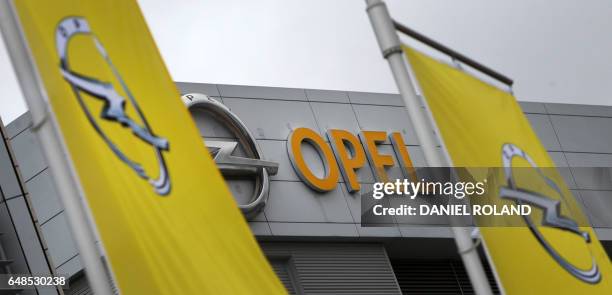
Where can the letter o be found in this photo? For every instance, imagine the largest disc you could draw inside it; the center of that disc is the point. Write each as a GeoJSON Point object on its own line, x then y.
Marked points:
{"type": "Point", "coordinates": [330, 180]}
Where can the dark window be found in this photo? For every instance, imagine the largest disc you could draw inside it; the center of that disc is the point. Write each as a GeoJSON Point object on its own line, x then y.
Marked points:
{"type": "Point", "coordinates": [78, 286]}
{"type": "Point", "coordinates": [435, 277]}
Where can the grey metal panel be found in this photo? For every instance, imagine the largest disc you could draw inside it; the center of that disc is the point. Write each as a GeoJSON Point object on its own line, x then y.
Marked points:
{"type": "Point", "coordinates": [604, 234]}
{"type": "Point", "coordinates": [243, 190]}
{"type": "Point", "coordinates": [563, 168]}
{"type": "Point", "coordinates": [578, 197]}
{"type": "Point", "coordinates": [386, 118]}
{"type": "Point", "coordinates": [578, 109]}
{"type": "Point", "coordinates": [339, 268]}
{"type": "Point", "coordinates": [313, 229]}
{"type": "Point", "coordinates": [18, 125]}
{"type": "Point", "coordinates": [532, 107]}
{"type": "Point", "coordinates": [294, 202]}
{"type": "Point", "coordinates": [376, 98]}
{"type": "Point", "coordinates": [208, 89]}
{"type": "Point", "coordinates": [21, 241]}
{"type": "Point", "coordinates": [354, 202]}
{"type": "Point", "coordinates": [28, 153]}
{"type": "Point", "coordinates": [364, 174]}
{"type": "Point", "coordinates": [28, 292]}
{"type": "Point", "coordinates": [584, 134]}
{"type": "Point", "coordinates": [44, 196]}
{"type": "Point", "coordinates": [417, 156]}
{"type": "Point", "coordinates": [588, 160]}
{"type": "Point", "coordinates": [46, 291]}
{"type": "Point", "coordinates": [558, 158]}
{"type": "Point", "coordinates": [593, 178]}
{"type": "Point", "coordinates": [591, 171]}
{"type": "Point", "coordinates": [386, 230]}
{"type": "Point", "coordinates": [276, 150]}
{"type": "Point", "coordinates": [30, 244]}
{"type": "Point", "coordinates": [582, 205]}
{"type": "Point", "coordinates": [335, 116]}
{"type": "Point", "coordinates": [259, 228]}
{"type": "Point", "coordinates": [261, 92]}
{"type": "Point", "coordinates": [59, 239]}
{"type": "Point", "coordinates": [543, 127]}
{"type": "Point", "coordinates": [10, 242]}
{"type": "Point", "coordinates": [9, 183]}
{"type": "Point", "coordinates": [208, 126]}
{"type": "Point", "coordinates": [70, 267]}
{"type": "Point", "coordinates": [327, 95]}
{"type": "Point", "coordinates": [599, 206]}
{"type": "Point", "coordinates": [269, 119]}
{"type": "Point", "coordinates": [426, 232]}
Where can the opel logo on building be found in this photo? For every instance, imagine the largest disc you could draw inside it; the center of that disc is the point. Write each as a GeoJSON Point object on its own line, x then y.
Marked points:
{"type": "Point", "coordinates": [115, 105]}
{"type": "Point", "coordinates": [222, 151]}
{"type": "Point", "coordinates": [551, 215]}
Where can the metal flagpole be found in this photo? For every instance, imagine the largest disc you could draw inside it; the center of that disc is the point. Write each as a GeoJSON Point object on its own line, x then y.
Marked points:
{"type": "Point", "coordinates": [390, 46]}
{"type": "Point", "coordinates": [45, 127]}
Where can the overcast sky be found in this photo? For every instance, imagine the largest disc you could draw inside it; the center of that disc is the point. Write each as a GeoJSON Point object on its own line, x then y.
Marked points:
{"type": "Point", "coordinates": [555, 50]}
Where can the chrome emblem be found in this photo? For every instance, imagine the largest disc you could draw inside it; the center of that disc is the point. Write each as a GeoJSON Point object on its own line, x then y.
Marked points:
{"type": "Point", "coordinates": [222, 151]}
{"type": "Point", "coordinates": [551, 211]}
{"type": "Point", "coordinates": [114, 109]}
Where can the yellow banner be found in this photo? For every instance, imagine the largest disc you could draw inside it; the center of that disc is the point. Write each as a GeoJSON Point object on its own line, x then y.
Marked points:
{"type": "Point", "coordinates": [167, 221]}
{"type": "Point", "coordinates": [482, 126]}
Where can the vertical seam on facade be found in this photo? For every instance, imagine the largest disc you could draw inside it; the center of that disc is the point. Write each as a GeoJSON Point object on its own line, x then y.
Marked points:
{"type": "Point", "coordinates": [571, 170]}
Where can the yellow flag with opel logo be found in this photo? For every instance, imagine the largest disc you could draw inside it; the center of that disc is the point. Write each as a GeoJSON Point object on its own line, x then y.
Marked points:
{"type": "Point", "coordinates": [166, 219]}
{"type": "Point", "coordinates": [554, 251]}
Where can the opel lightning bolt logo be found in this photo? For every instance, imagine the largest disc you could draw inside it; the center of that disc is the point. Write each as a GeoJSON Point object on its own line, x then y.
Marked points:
{"type": "Point", "coordinates": [114, 109]}
{"type": "Point", "coordinates": [551, 215]}
{"type": "Point", "coordinates": [222, 151]}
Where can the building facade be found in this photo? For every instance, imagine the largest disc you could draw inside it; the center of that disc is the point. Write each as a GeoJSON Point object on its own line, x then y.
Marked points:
{"type": "Point", "coordinates": [314, 240]}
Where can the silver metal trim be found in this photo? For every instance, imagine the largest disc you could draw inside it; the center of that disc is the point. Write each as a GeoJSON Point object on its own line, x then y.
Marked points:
{"type": "Point", "coordinates": [222, 151]}
{"type": "Point", "coordinates": [114, 103]}
{"type": "Point", "coordinates": [391, 50]}
{"type": "Point", "coordinates": [551, 216]}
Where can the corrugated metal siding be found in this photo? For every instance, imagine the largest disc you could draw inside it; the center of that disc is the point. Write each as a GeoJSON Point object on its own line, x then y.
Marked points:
{"type": "Point", "coordinates": [79, 286]}
{"type": "Point", "coordinates": [436, 277]}
{"type": "Point", "coordinates": [464, 280]}
{"type": "Point", "coordinates": [281, 268]}
{"type": "Point", "coordinates": [335, 268]}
